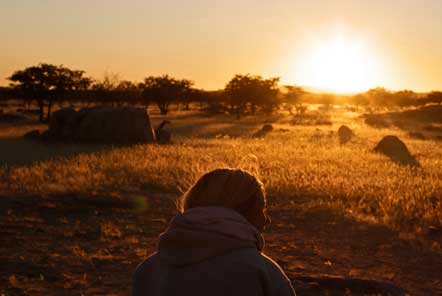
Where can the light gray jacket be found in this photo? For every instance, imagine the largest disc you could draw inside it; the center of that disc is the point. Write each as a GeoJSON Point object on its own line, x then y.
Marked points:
{"type": "Point", "coordinates": [210, 251]}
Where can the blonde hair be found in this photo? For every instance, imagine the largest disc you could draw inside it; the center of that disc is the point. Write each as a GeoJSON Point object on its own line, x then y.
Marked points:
{"type": "Point", "coordinates": [230, 188]}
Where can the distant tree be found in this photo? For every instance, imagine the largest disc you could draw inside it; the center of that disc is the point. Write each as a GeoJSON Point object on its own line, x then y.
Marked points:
{"type": "Point", "coordinates": [404, 98]}
{"type": "Point", "coordinates": [434, 97]}
{"type": "Point", "coordinates": [239, 91]}
{"type": "Point", "coordinates": [292, 97]}
{"type": "Point", "coordinates": [267, 91]}
{"type": "Point", "coordinates": [380, 96]}
{"type": "Point", "coordinates": [193, 95]}
{"type": "Point", "coordinates": [359, 100]}
{"type": "Point", "coordinates": [164, 90]}
{"type": "Point", "coordinates": [216, 101]}
{"type": "Point", "coordinates": [127, 92]}
{"type": "Point", "coordinates": [104, 90]}
{"type": "Point", "coordinates": [7, 93]}
{"type": "Point", "coordinates": [47, 83]}
{"type": "Point", "coordinates": [145, 95]}
{"type": "Point", "coordinates": [250, 91]}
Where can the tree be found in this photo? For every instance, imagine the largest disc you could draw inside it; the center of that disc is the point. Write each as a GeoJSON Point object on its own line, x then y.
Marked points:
{"type": "Point", "coordinates": [359, 100]}
{"type": "Point", "coordinates": [104, 90]}
{"type": "Point", "coordinates": [47, 83]}
{"type": "Point", "coordinates": [292, 97]}
{"type": "Point", "coordinates": [434, 97]}
{"type": "Point", "coordinates": [252, 91]}
{"type": "Point", "coordinates": [127, 92]}
{"type": "Point", "coordinates": [7, 93]}
{"type": "Point", "coordinates": [404, 98]}
{"type": "Point", "coordinates": [379, 96]}
{"type": "Point", "coordinates": [164, 90]}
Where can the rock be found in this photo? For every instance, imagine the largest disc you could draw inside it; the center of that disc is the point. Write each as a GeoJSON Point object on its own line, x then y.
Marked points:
{"type": "Point", "coordinates": [163, 135]}
{"type": "Point", "coordinates": [266, 128]}
{"type": "Point", "coordinates": [396, 150]}
{"type": "Point", "coordinates": [345, 134]}
{"type": "Point", "coordinates": [104, 125]}
{"type": "Point", "coordinates": [32, 135]}
{"type": "Point", "coordinates": [62, 123]}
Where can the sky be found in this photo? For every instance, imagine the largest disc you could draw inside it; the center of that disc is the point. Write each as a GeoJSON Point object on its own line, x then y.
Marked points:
{"type": "Point", "coordinates": [336, 45]}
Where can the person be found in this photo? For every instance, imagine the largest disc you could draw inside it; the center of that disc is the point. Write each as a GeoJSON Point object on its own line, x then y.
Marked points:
{"type": "Point", "coordinates": [213, 246]}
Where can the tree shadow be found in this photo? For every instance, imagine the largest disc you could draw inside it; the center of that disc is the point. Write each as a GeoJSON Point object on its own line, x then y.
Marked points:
{"type": "Point", "coordinates": [20, 151]}
{"type": "Point", "coordinates": [212, 127]}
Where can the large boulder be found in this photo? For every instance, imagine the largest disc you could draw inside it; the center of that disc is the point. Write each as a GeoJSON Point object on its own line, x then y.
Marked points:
{"type": "Point", "coordinates": [102, 125]}
{"type": "Point", "coordinates": [345, 134]}
{"type": "Point", "coordinates": [396, 150]}
{"type": "Point", "coordinates": [62, 124]}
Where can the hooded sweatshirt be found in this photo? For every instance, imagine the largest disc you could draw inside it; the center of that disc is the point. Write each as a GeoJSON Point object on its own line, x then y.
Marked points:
{"type": "Point", "coordinates": [210, 251]}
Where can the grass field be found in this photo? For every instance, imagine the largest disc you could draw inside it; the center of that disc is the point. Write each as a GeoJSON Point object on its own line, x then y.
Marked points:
{"type": "Point", "coordinates": [304, 168]}
{"type": "Point", "coordinates": [293, 161]}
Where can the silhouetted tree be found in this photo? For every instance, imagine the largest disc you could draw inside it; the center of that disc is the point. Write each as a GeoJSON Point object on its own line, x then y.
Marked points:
{"type": "Point", "coordinates": [254, 91]}
{"type": "Point", "coordinates": [292, 97]}
{"type": "Point", "coordinates": [7, 93]}
{"type": "Point", "coordinates": [192, 95]}
{"type": "Point", "coordinates": [380, 96]}
{"type": "Point", "coordinates": [404, 98]}
{"type": "Point", "coordinates": [104, 90]}
{"type": "Point", "coordinates": [434, 97]}
{"type": "Point", "coordinates": [359, 100]}
{"type": "Point", "coordinates": [163, 90]}
{"type": "Point", "coordinates": [215, 100]}
{"type": "Point", "coordinates": [47, 83]}
{"type": "Point", "coordinates": [126, 92]}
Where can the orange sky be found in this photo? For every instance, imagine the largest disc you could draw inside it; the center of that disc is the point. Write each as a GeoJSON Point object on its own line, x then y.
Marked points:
{"type": "Point", "coordinates": [399, 43]}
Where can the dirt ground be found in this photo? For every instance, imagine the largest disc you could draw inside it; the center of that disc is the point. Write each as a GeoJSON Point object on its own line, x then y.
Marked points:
{"type": "Point", "coordinates": [90, 245]}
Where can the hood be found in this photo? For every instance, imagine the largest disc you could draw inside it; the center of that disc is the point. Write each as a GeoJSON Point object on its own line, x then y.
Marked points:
{"type": "Point", "coordinates": [202, 233]}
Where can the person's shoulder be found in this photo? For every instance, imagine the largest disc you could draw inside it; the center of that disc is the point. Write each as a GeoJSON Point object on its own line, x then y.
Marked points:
{"type": "Point", "coordinates": [147, 265]}
{"type": "Point", "coordinates": [278, 276]}
{"type": "Point", "coordinates": [272, 265]}
{"type": "Point", "coordinates": [260, 261]}
{"type": "Point", "coordinates": [143, 275]}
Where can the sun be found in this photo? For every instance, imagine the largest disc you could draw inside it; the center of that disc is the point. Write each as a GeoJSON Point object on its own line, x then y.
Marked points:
{"type": "Point", "coordinates": [340, 65]}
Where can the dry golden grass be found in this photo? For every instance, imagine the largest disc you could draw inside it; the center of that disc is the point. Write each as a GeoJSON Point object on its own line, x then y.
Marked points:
{"type": "Point", "coordinates": [303, 162]}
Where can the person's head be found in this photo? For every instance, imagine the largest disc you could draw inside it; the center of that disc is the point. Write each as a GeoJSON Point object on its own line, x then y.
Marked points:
{"type": "Point", "coordinates": [229, 188]}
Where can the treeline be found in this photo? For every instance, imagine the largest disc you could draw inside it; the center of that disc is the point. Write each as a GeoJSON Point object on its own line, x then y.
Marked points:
{"type": "Point", "coordinates": [404, 98]}
{"type": "Point", "coordinates": [47, 84]}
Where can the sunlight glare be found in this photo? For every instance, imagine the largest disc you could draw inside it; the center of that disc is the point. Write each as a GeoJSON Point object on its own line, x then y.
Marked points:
{"type": "Point", "coordinates": [340, 65]}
